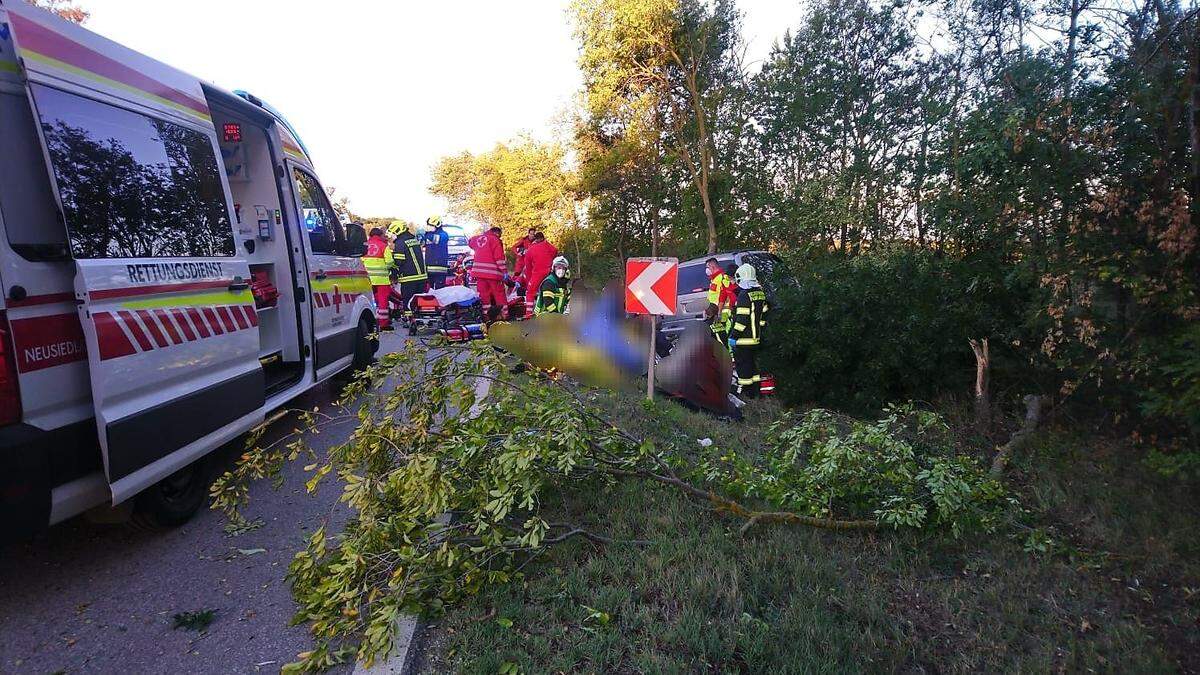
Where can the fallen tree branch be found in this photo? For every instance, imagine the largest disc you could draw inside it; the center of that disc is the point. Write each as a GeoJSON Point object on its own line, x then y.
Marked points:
{"type": "Point", "coordinates": [752, 517]}
{"type": "Point", "coordinates": [1033, 417]}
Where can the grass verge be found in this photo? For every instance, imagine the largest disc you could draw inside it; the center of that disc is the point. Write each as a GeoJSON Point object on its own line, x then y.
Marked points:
{"type": "Point", "coordinates": [1114, 586]}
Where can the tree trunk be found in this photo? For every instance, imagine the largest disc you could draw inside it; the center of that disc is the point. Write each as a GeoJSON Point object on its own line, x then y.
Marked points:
{"type": "Point", "coordinates": [702, 137]}
{"type": "Point", "coordinates": [1033, 417]}
{"type": "Point", "coordinates": [1072, 40]}
{"type": "Point", "coordinates": [1194, 127]}
{"type": "Point", "coordinates": [655, 223]}
{"type": "Point", "coordinates": [983, 397]}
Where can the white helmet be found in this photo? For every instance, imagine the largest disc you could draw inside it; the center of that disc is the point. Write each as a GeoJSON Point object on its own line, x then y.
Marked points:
{"type": "Point", "coordinates": [745, 276]}
{"type": "Point", "coordinates": [560, 261]}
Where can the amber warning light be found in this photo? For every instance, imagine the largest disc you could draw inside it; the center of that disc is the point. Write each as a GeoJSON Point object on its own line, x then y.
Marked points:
{"type": "Point", "coordinates": [233, 132]}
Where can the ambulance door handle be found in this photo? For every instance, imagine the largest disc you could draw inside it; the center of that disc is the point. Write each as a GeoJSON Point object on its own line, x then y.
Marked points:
{"type": "Point", "coordinates": [320, 275]}
{"type": "Point", "coordinates": [238, 284]}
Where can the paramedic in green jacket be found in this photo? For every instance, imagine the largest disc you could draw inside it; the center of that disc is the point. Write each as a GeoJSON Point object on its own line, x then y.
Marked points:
{"type": "Point", "coordinates": [555, 292]}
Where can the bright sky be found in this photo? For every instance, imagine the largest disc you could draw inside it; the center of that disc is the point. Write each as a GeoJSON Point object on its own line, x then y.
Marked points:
{"type": "Point", "coordinates": [381, 89]}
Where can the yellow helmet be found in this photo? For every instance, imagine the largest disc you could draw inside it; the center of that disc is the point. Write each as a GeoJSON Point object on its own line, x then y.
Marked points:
{"type": "Point", "coordinates": [396, 227]}
{"type": "Point", "coordinates": [433, 221]}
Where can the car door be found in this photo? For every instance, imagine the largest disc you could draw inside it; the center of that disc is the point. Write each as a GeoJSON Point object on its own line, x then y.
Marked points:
{"type": "Point", "coordinates": [338, 281]}
{"type": "Point", "coordinates": [167, 315]}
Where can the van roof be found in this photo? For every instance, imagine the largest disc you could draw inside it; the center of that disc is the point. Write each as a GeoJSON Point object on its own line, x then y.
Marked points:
{"type": "Point", "coordinates": [54, 49]}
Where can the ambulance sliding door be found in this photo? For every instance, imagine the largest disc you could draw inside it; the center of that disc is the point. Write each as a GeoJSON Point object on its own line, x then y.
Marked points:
{"type": "Point", "coordinates": [167, 313]}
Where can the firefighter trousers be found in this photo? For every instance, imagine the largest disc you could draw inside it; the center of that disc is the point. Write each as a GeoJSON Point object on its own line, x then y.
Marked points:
{"type": "Point", "coordinates": [409, 289]}
{"type": "Point", "coordinates": [745, 362]}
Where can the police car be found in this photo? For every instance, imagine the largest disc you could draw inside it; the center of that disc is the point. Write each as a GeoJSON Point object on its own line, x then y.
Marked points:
{"type": "Point", "coordinates": [171, 271]}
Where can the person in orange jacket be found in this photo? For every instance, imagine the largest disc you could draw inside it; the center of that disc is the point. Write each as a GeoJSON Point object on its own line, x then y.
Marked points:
{"type": "Point", "coordinates": [489, 268]}
{"type": "Point", "coordinates": [539, 256]}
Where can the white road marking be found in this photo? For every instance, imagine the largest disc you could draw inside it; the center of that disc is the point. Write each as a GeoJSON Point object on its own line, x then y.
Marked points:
{"type": "Point", "coordinates": [406, 626]}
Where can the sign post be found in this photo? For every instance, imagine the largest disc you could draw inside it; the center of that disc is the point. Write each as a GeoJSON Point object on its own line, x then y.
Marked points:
{"type": "Point", "coordinates": [651, 288]}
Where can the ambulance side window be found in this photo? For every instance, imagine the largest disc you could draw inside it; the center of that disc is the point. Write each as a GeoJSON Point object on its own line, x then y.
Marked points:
{"type": "Point", "coordinates": [325, 233]}
{"type": "Point", "coordinates": [133, 186]}
{"type": "Point", "coordinates": [26, 198]}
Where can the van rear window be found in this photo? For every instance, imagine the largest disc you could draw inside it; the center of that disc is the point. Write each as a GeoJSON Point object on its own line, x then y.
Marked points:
{"type": "Point", "coordinates": [133, 186]}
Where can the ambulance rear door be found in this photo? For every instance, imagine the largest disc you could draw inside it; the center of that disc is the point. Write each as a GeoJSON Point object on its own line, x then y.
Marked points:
{"type": "Point", "coordinates": [167, 315]}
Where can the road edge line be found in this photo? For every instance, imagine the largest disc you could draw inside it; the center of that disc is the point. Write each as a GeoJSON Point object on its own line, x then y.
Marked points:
{"type": "Point", "coordinates": [397, 661]}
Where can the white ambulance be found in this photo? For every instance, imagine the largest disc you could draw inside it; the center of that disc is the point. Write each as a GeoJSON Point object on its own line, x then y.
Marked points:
{"type": "Point", "coordinates": [171, 270]}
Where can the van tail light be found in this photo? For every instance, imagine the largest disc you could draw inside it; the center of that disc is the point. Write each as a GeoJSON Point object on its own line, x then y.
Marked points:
{"type": "Point", "coordinates": [10, 394]}
{"type": "Point", "coordinates": [767, 386]}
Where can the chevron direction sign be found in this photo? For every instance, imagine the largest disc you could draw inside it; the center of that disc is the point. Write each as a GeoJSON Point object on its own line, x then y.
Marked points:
{"type": "Point", "coordinates": [651, 285]}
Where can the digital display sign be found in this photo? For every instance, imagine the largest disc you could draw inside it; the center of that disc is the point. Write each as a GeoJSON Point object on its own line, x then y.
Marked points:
{"type": "Point", "coordinates": [232, 132]}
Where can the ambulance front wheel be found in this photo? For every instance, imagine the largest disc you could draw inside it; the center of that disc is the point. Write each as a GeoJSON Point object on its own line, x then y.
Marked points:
{"type": "Point", "coordinates": [175, 499]}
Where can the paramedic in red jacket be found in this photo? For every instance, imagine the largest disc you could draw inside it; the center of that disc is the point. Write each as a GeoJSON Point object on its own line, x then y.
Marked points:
{"type": "Point", "coordinates": [489, 269]}
{"type": "Point", "coordinates": [518, 249]}
{"type": "Point", "coordinates": [539, 255]}
{"type": "Point", "coordinates": [378, 260]}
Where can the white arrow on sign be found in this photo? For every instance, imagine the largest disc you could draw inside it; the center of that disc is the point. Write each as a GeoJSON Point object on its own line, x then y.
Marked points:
{"type": "Point", "coordinates": [642, 287]}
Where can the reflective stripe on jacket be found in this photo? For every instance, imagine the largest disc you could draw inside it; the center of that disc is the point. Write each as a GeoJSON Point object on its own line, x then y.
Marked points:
{"type": "Point", "coordinates": [749, 317]}
{"type": "Point", "coordinates": [488, 262]}
{"type": "Point", "coordinates": [720, 285]}
{"type": "Point", "coordinates": [553, 295]}
{"type": "Point", "coordinates": [410, 258]}
{"type": "Point", "coordinates": [378, 260]}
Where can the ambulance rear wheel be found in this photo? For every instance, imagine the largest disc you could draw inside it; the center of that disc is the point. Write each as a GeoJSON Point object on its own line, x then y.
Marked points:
{"type": "Point", "coordinates": [175, 499]}
{"type": "Point", "coordinates": [366, 343]}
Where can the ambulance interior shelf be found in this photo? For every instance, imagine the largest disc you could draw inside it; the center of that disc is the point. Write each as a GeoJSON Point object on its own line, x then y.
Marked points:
{"type": "Point", "coordinates": [249, 166]}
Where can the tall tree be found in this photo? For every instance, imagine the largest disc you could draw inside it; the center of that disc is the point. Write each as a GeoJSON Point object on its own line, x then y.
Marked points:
{"type": "Point", "coordinates": [516, 186]}
{"type": "Point", "coordinates": [653, 74]}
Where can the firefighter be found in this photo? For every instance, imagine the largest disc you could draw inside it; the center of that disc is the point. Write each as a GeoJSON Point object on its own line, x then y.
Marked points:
{"type": "Point", "coordinates": [437, 252]}
{"type": "Point", "coordinates": [555, 292]}
{"type": "Point", "coordinates": [410, 261]}
{"type": "Point", "coordinates": [489, 269]}
{"type": "Point", "coordinates": [720, 293]}
{"type": "Point", "coordinates": [749, 319]}
{"type": "Point", "coordinates": [378, 260]}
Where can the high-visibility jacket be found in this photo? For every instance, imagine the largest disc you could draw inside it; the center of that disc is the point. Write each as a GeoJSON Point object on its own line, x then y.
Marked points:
{"type": "Point", "coordinates": [410, 258]}
{"type": "Point", "coordinates": [437, 250]}
{"type": "Point", "coordinates": [720, 289]}
{"type": "Point", "coordinates": [378, 260]}
{"type": "Point", "coordinates": [489, 262]}
{"type": "Point", "coordinates": [749, 317]}
{"type": "Point", "coordinates": [553, 295]}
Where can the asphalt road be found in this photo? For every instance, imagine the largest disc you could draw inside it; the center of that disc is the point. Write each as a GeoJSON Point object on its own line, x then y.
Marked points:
{"type": "Point", "coordinates": [87, 597]}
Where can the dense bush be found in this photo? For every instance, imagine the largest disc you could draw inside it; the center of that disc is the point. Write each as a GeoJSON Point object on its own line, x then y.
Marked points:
{"type": "Point", "coordinates": [901, 471]}
{"type": "Point", "coordinates": [891, 324]}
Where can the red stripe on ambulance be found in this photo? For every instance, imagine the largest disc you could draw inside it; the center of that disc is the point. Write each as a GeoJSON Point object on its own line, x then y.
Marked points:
{"type": "Point", "coordinates": [124, 333]}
